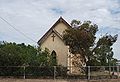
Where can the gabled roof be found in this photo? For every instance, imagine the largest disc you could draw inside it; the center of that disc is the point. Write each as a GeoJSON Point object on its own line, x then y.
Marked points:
{"type": "Point", "coordinates": [51, 30]}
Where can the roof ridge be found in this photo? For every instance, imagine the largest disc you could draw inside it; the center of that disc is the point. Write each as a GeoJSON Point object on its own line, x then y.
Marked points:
{"type": "Point", "coordinates": [51, 29]}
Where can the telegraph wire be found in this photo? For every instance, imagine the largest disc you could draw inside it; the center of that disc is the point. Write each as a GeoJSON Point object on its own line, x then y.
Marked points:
{"type": "Point", "coordinates": [17, 30]}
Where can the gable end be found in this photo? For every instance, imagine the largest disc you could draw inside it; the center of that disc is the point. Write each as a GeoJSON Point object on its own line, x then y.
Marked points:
{"type": "Point", "coordinates": [44, 37]}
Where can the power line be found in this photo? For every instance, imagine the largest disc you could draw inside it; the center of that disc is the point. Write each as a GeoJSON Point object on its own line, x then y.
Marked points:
{"type": "Point", "coordinates": [17, 29]}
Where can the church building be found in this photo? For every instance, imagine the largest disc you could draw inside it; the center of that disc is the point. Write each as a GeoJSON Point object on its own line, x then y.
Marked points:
{"type": "Point", "coordinates": [53, 40]}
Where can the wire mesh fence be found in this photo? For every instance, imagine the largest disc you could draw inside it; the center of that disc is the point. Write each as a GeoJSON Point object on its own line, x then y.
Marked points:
{"type": "Point", "coordinates": [60, 72]}
{"type": "Point", "coordinates": [104, 72]}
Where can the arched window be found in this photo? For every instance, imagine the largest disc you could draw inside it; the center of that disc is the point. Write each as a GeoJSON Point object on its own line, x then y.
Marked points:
{"type": "Point", "coordinates": [53, 58]}
{"type": "Point", "coordinates": [53, 54]}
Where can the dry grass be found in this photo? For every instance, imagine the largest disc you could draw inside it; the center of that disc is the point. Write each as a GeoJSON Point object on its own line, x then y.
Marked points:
{"type": "Point", "coordinates": [58, 80]}
{"type": "Point", "coordinates": [98, 73]}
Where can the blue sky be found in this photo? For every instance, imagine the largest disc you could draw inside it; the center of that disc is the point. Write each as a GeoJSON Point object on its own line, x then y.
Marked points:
{"type": "Point", "coordinates": [35, 17]}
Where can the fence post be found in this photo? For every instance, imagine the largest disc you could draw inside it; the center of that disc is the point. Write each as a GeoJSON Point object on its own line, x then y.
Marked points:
{"type": "Point", "coordinates": [109, 69]}
{"type": "Point", "coordinates": [118, 71]}
{"type": "Point", "coordinates": [24, 72]}
{"type": "Point", "coordinates": [88, 72]}
{"type": "Point", "coordinates": [54, 72]}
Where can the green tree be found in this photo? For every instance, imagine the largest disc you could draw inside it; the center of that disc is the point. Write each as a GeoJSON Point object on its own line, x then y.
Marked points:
{"type": "Point", "coordinates": [12, 54]}
{"type": "Point", "coordinates": [81, 40]}
{"type": "Point", "coordinates": [103, 50]}
{"type": "Point", "coordinates": [43, 57]}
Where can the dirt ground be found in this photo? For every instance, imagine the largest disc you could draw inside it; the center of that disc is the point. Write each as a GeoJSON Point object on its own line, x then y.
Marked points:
{"type": "Point", "coordinates": [58, 80]}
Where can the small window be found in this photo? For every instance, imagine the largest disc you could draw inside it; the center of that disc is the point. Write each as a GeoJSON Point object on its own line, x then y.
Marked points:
{"type": "Point", "coordinates": [53, 54]}
{"type": "Point", "coordinates": [53, 58]}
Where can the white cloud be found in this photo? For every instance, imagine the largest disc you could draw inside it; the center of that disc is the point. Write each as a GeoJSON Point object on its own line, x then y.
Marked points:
{"type": "Point", "coordinates": [35, 17]}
